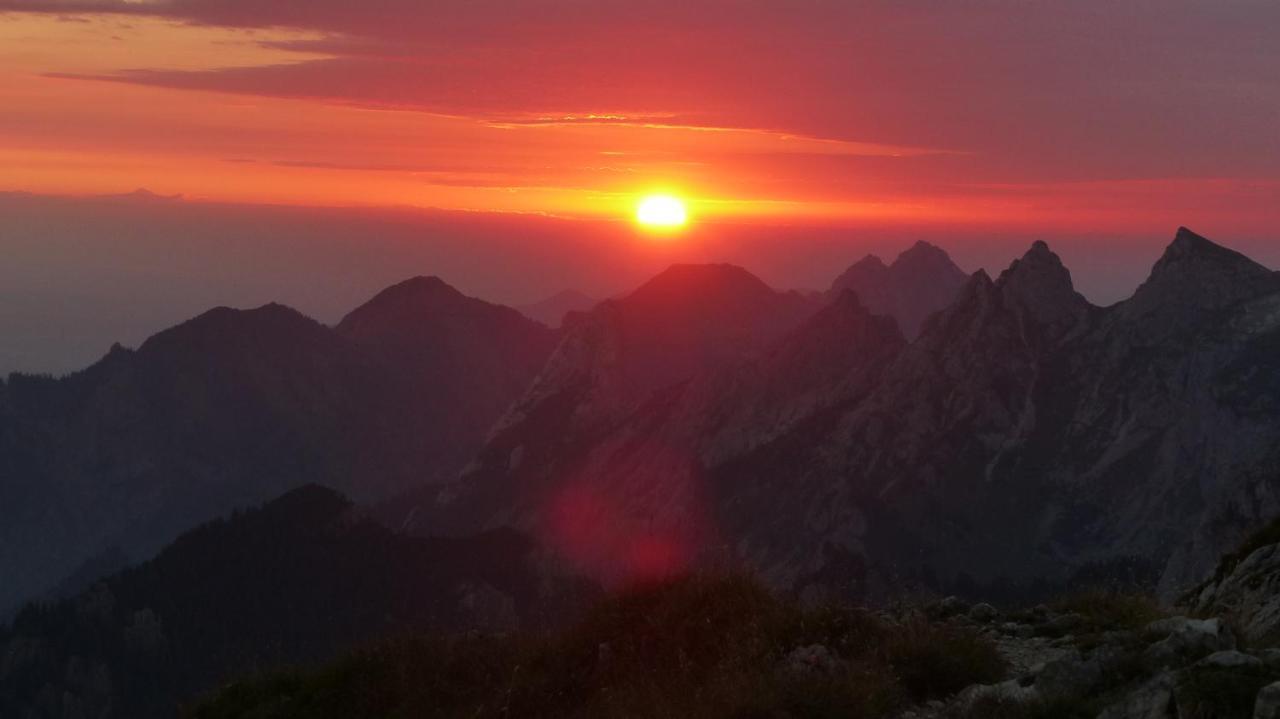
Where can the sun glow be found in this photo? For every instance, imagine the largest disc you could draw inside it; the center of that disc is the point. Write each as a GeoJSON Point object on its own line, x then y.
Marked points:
{"type": "Point", "coordinates": [661, 212]}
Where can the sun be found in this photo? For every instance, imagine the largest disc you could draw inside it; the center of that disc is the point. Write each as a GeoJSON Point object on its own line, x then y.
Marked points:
{"type": "Point", "coordinates": [661, 212]}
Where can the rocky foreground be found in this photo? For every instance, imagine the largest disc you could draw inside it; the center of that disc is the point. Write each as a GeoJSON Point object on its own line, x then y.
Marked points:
{"type": "Point", "coordinates": [1102, 657]}
{"type": "Point", "coordinates": [727, 647]}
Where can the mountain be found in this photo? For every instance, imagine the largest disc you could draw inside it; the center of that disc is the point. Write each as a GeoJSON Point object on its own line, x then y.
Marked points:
{"type": "Point", "coordinates": [1024, 439]}
{"type": "Point", "coordinates": [235, 406]}
{"type": "Point", "coordinates": [922, 281]}
{"type": "Point", "coordinates": [551, 310]}
{"type": "Point", "coordinates": [294, 581]}
{"type": "Point", "coordinates": [687, 321]}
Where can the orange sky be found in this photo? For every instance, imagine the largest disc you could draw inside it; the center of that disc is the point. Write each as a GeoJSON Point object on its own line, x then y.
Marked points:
{"type": "Point", "coordinates": [870, 112]}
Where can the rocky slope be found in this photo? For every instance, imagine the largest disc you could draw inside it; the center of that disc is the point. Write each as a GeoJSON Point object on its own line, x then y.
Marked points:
{"type": "Point", "coordinates": [233, 407]}
{"type": "Point", "coordinates": [1024, 438]}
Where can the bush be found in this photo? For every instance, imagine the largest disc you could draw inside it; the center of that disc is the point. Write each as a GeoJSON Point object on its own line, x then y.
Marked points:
{"type": "Point", "coordinates": [934, 661]}
{"type": "Point", "coordinates": [1110, 611]}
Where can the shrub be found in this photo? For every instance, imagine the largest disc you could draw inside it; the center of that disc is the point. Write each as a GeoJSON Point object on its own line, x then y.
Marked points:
{"type": "Point", "coordinates": [697, 646]}
{"type": "Point", "coordinates": [934, 661]}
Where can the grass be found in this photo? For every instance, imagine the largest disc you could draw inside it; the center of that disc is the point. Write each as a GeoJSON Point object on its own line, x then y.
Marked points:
{"type": "Point", "coordinates": [1103, 610]}
{"type": "Point", "coordinates": [1056, 708]}
{"type": "Point", "coordinates": [697, 646]}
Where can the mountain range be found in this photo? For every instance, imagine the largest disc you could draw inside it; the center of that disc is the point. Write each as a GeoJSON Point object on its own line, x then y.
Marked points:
{"type": "Point", "coordinates": [914, 427]}
{"type": "Point", "coordinates": [237, 406]}
{"type": "Point", "coordinates": [1025, 438]}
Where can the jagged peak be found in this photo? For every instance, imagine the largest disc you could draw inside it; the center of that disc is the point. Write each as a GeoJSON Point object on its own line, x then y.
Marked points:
{"type": "Point", "coordinates": [1040, 265]}
{"type": "Point", "coordinates": [1196, 272]}
{"type": "Point", "coordinates": [1189, 247]}
{"type": "Point", "coordinates": [1039, 286]}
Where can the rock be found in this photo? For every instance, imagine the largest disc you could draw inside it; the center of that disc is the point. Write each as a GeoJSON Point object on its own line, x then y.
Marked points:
{"type": "Point", "coordinates": [1230, 659]}
{"type": "Point", "coordinates": [1063, 623]}
{"type": "Point", "coordinates": [1250, 594]}
{"type": "Point", "coordinates": [1071, 675]}
{"type": "Point", "coordinates": [1006, 691]}
{"type": "Point", "coordinates": [814, 659]}
{"type": "Point", "coordinates": [951, 606]}
{"type": "Point", "coordinates": [1186, 640]}
{"type": "Point", "coordinates": [1267, 705]}
{"type": "Point", "coordinates": [983, 613]}
{"type": "Point", "coordinates": [1153, 700]}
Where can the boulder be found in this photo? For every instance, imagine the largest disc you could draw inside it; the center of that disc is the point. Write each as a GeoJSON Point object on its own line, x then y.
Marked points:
{"type": "Point", "coordinates": [1185, 640]}
{"type": "Point", "coordinates": [1230, 659]}
{"type": "Point", "coordinates": [1267, 705]}
{"type": "Point", "coordinates": [1153, 700]}
{"type": "Point", "coordinates": [983, 613]}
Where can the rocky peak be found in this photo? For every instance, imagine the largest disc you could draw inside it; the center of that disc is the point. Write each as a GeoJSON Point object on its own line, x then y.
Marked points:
{"type": "Point", "coordinates": [1195, 274]}
{"type": "Point", "coordinates": [920, 282]}
{"type": "Point", "coordinates": [1039, 286]}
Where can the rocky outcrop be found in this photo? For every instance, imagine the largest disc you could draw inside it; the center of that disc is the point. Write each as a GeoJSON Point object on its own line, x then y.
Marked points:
{"type": "Point", "coordinates": [1247, 590]}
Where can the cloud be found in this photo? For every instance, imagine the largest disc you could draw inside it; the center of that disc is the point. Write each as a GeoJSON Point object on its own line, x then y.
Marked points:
{"type": "Point", "coordinates": [1092, 89]}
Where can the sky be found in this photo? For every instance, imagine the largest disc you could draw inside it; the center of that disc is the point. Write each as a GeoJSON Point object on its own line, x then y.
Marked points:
{"type": "Point", "coordinates": [799, 132]}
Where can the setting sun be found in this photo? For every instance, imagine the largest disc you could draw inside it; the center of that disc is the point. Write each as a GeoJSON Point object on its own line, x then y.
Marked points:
{"type": "Point", "coordinates": [661, 211]}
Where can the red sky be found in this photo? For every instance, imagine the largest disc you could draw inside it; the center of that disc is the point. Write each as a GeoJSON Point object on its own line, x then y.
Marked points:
{"type": "Point", "coordinates": [1102, 115]}
{"type": "Point", "coordinates": [803, 133]}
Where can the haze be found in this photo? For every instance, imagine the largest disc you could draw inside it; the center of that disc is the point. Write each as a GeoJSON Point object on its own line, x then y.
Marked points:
{"type": "Point", "coordinates": [802, 135]}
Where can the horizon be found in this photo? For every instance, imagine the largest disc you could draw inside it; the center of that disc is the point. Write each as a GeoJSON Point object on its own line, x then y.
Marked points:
{"type": "Point", "coordinates": [303, 259]}
{"type": "Point", "coordinates": [515, 143]}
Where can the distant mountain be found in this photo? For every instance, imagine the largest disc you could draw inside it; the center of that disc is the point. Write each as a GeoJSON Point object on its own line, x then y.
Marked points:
{"type": "Point", "coordinates": [551, 311]}
{"type": "Point", "coordinates": [295, 581]}
{"type": "Point", "coordinates": [922, 281]}
{"type": "Point", "coordinates": [688, 321]}
{"type": "Point", "coordinates": [1026, 437]}
{"type": "Point", "coordinates": [236, 406]}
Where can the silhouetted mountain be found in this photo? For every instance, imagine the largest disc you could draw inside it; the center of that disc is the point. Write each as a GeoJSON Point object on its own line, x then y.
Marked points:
{"type": "Point", "coordinates": [688, 320]}
{"type": "Point", "coordinates": [1026, 436]}
{"type": "Point", "coordinates": [551, 311]}
{"type": "Point", "coordinates": [296, 580]}
{"type": "Point", "coordinates": [920, 282]}
{"type": "Point", "coordinates": [236, 406]}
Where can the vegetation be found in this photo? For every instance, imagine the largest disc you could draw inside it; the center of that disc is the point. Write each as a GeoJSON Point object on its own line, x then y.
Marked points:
{"type": "Point", "coordinates": [696, 646]}
{"type": "Point", "coordinates": [1103, 610]}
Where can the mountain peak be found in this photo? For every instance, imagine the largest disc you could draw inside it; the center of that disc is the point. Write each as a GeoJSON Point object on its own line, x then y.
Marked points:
{"type": "Point", "coordinates": [1040, 285]}
{"type": "Point", "coordinates": [1196, 272]}
{"type": "Point", "coordinates": [921, 281]}
{"type": "Point", "coordinates": [683, 283]}
{"type": "Point", "coordinates": [403, 302]}
{"type": "Point", "coordinates": [924, 253]}
{"type": "Point", "coordinates": [1189, 247]}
